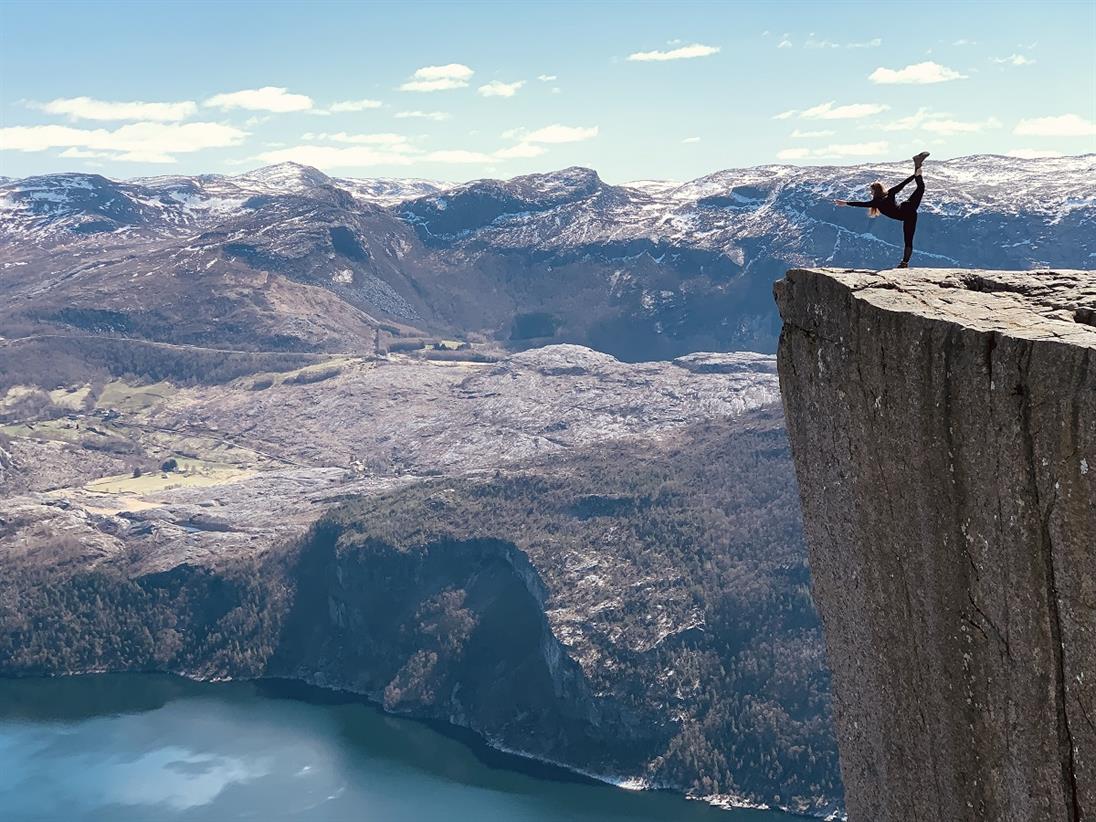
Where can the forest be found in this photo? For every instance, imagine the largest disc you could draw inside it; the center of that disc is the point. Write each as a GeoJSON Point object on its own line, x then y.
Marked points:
{"type": "Point", "coordinates": [673, 579]}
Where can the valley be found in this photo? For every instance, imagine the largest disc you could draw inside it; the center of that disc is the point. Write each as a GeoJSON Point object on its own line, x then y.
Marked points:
{"type": "Point", "coordinates": [536, 524]}
{"type": "Point", "coordinates": [495, 455]}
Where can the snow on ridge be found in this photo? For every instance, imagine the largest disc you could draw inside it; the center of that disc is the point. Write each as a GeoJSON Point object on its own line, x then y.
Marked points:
{"type": "Point", "coordinates": [714, 212]}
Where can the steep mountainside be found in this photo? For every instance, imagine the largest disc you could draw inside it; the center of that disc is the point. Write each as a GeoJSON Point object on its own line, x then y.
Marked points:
{"type": "Point", "coordinates": [591, 561]}
{"type": "Point", "coordinates": [642, 271]}
{"type": "Point", "coordinates": [944, 430]}
{"type": "Point", "coordinates": [635, 605]}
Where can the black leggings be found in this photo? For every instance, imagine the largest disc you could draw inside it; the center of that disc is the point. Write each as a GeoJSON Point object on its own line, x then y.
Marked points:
{"type": "Point", "coordinates": [909, 217]}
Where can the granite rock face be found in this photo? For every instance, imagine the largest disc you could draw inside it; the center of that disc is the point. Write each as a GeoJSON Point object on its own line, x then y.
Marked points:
{"type": "Point", "coordinates": [944, 430]}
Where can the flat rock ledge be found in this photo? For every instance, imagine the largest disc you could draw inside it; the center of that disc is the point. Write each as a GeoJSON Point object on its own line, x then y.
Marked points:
{"type": "Point", "coordinates": [943, 424]}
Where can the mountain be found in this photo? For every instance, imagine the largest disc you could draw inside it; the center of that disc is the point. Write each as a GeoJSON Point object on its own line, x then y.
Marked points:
{"type": "Point", "coordinates": [594, 562]}
{"type": "Point", "coordinates": [943, 429]}
{"type": "Point", "coordinates": [647, 270]}
{"type": "Point", "coordinates": [275, 424]}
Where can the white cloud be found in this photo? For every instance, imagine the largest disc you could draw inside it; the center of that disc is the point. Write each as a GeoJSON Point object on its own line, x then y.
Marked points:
{"type": "Point", "coordinates": [948, 126]}
{"type": "Point", "coordinates": [907, 123]}
{"type": "Point", "coordinates": [80, 153]}
{"type": "Point", "coordinates": [1015, 60]}
{"type": "Point", "coordinates": [691, 140]}
{"type": "Point", "coordinates": [918, 74]}
{"type": "Point", "coordinates": [449, 71]}
{"type": "Point", "coordinates": [439, 78]}
{"type": "Point", "coordinates": [810, 134]}
{"type": "Point", "coordinates": [546, 78]}
{"type": "Point", "coordinates": [829, 111]}
{"type": "Point", "coordinates": [497, 88]}
{"type": "Point", "coordinates": [520, 151]}
{"type": "Point", "coordinates": [681, 53]}
{"type": "Point", "coordinates": [136, 142]}
{"type": "Point", "coordinates": [870, 149]}
{"type": "Point", "coordinates": [267, 98]}
{"type": "Point", "coordinates": [785, 43]}
{"type": "Point", "coordinates": [962, 41]}
{"type": "Point", "coordinates": [1032, 153]}
{"type": "Point", "coordinates": [793, 154]}
{"type": "Point", "coordinates": [368, 150]}
{"type": "Point", "coordinates": [437, 116]}
{"type": "Point", "coordinates": [786, 115]}
{"type": "Point", "coordinates": [938, 123]}
{"type": "Point", "coordinates": [86, 108]}
{"type": "Point", "coordinates": [812, 43]}
{"type": "Point", "coordinates": [395, 142]}
{"type": "Point", "coordinates": [553, 134]}
{"type": "Point", "coordinates": [1065, 125]}
{"type": "Point", "coordinates": [355, 105]}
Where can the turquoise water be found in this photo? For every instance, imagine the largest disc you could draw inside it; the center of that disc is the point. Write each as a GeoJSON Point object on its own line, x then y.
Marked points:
{"type": "Point", "coordinates": [122, 748]}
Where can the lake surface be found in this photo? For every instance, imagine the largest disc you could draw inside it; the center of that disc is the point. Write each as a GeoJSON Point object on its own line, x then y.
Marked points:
{"type": "Point", "coordinates": [133, 747]}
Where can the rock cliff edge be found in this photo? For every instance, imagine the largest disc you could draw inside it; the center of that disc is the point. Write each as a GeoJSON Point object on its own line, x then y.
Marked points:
{"type": "Point", "coordinates": [943, 424]}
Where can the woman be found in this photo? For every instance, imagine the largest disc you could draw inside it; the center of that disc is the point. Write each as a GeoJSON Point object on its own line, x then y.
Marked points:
{"type": "Point", "coordinates": [882, 202]}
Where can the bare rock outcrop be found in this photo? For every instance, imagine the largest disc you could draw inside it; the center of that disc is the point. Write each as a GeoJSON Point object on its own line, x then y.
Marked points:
{"type": "Point", "coordinates": [944, 430]}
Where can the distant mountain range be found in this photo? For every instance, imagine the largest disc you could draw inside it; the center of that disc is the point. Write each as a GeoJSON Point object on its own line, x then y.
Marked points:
{"type": "Point", "coordinates": [288, 258]}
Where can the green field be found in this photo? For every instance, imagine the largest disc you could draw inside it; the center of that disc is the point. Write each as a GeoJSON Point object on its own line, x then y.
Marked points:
{"type": "Point", "coordinates": [191, 473]}
{"type": "Point", "coordinates": [121, 396]}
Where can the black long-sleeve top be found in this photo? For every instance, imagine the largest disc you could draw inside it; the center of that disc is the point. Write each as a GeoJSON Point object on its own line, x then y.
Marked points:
{"type": "Point", "coordinates": [886, 204]}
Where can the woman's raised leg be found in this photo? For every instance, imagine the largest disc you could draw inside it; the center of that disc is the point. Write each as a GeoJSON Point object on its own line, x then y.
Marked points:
{"type": "Point", "coordinates": [915, 199]}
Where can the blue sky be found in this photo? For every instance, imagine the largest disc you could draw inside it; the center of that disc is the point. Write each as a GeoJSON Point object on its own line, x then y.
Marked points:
{"type": "Point", "coordinates": [460, 90]}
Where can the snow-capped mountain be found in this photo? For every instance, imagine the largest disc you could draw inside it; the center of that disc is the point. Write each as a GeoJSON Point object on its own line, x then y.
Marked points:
{"type": "Point", "coordinates": [643, 270]}
{"type": "Point", "coordinates": [52, 208]}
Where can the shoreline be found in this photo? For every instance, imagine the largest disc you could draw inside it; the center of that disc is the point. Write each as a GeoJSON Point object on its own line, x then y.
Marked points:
{"type": "Point", "coordinates": [491, 752]}
{"type": "Point", "coordinates": [480, 742]}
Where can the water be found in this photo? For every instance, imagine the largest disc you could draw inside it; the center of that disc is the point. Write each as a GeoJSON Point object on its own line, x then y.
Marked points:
{"type": "Point", "coordinates": [134, 747]}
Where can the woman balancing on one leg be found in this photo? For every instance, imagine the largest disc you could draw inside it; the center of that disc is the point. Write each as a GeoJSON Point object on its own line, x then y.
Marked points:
{"type": "Point", "coordinates": [882, 202]}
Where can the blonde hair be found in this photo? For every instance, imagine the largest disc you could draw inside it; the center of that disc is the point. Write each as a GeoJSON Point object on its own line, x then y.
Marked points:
{"type": "Point", "coordinates": [877, 192]}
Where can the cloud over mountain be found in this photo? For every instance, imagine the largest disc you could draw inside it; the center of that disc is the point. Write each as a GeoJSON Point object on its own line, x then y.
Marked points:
{"type": "Point", "coordinates": [268, 98]}
{"type": "Point", "coordinates": [916, 74]}
{"type": "Point", "coordinates": [439, 78]}
{"type": "Point", "coordinates": [681, 53]}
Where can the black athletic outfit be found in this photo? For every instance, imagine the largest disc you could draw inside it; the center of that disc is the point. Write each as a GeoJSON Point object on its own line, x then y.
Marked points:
{"type": "Point", "coordinates": [906, 212]}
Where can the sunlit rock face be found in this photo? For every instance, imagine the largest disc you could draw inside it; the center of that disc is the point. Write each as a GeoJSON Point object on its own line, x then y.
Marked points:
{"type": "Point", "coordinates": [943, 424]}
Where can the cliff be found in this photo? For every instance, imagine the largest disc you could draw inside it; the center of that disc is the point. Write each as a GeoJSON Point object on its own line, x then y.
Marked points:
{"type": "Point", "coordinates": [637, 609]}
{"type": "Point", "coordinates": [943, 425]}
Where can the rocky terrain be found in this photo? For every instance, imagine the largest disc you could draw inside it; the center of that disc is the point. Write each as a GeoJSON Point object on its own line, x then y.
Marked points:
{"type": "Point", "coordinates": [297, 441]}
{"type": "Point", "coordinates": [944, 430]}
{"type": "Point", "coordinates": [286, 258]}
{"type": "Point", "coordinates": [454, 447]}
{"type": "Point", "coordinates": [593, 562]}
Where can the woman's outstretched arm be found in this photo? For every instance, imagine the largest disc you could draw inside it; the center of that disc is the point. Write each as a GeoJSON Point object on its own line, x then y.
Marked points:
{"type": "Point", "coordinates": [892, 191]}
{"type": "Point", "coordinates": [857, 203]}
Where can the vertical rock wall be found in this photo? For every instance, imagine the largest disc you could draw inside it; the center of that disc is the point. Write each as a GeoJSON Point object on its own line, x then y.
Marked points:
{"type": "Point", "coordinates": [944, 430]}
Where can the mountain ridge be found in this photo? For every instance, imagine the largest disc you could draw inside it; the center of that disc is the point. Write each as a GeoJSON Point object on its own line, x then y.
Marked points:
{"type": "Point", "coordinates": [643, 272]}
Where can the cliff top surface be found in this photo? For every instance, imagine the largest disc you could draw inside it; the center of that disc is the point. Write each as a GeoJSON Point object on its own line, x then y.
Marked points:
{"type": "Point", "coordinates": [1047, 305]}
